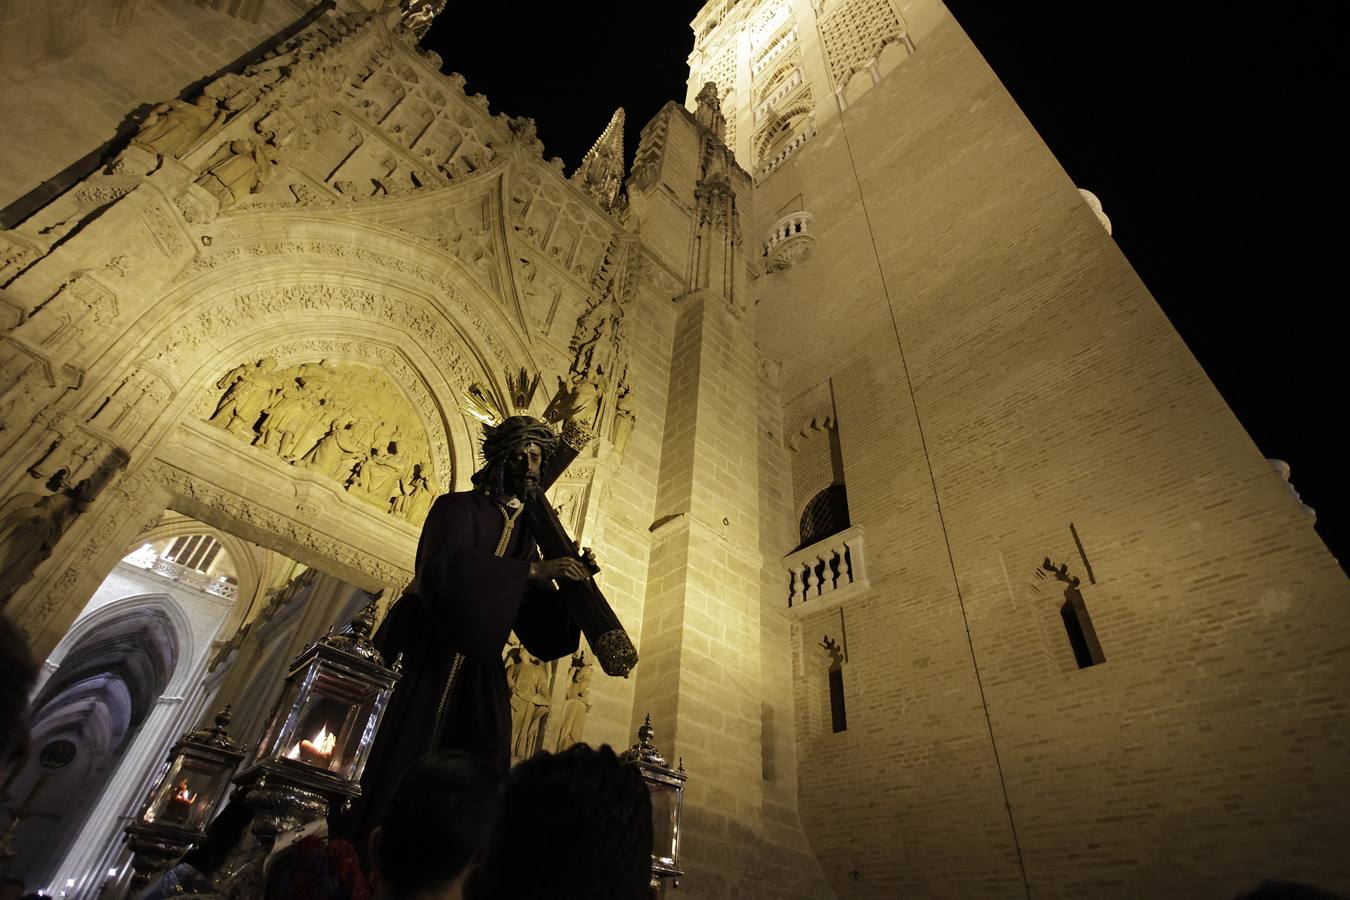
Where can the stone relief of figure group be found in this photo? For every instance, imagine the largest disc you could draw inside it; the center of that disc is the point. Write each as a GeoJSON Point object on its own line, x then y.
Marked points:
{"type": "Point", "coordinates": [530, 681]}
{"type": "Point", "coordinates": [327, 420]}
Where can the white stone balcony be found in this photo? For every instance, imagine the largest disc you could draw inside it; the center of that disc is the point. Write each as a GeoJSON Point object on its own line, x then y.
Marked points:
{"type": "Point", "coordinates": [789, 241]}
{"type": "Point", "coordinates": [807, 132]}
{"type": "Point", "coordinates": [826, 573]}
{"type": "Point", "coordinates": [146, 558]}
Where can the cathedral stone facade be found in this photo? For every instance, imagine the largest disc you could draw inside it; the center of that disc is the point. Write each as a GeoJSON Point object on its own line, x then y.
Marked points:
{"type": "Point", "coordinates": [951, 573]}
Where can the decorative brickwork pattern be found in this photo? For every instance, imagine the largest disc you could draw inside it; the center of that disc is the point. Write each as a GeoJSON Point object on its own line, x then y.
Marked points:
{"type": "Point", "coordinates": [854, 32]}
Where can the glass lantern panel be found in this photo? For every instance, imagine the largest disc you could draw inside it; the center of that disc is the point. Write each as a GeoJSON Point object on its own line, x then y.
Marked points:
{"type": "Point", "coordinates": [665, 823]}
{"type": "Point", "coordinates": [330, 725]}
{"type": "Point", "coordinates": [186, 795]}
{"type": "Point", "coordinates": [282, 721]}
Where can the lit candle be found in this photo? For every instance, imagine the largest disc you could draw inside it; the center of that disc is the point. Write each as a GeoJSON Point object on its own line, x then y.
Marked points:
{"type": "Point", "coordinates": [180, 803]}
{"type": "Point", "coordinates": [316, 752]}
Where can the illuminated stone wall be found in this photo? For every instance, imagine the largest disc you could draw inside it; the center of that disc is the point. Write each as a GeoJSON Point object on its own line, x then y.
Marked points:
{"type": "Point", "coordinates": [1010, 390]}
{"type": "Point", "coordinates": [854, 240]}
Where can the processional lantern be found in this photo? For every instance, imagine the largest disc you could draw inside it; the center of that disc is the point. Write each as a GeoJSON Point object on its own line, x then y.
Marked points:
{"type": "Point", "coordinates": [666, 786]}
{"type": "Point", "coordinates": [187, 791]}
{"type": "Point", "coordinates": [316, 742]}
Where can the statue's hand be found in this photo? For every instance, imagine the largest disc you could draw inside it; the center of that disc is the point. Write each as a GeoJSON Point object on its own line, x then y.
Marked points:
{"type": "Point", "coordinates": [564, 569]}
{"type": "Point", "coordinates": [588, 558]}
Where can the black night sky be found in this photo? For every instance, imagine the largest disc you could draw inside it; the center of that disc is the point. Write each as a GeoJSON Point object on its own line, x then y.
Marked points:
{"type": "Point", "coordinates": [1204, 128]}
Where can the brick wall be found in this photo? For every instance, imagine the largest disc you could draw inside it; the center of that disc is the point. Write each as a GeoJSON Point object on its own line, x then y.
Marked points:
{"type": "Point", "coordinates": [1000, 372]}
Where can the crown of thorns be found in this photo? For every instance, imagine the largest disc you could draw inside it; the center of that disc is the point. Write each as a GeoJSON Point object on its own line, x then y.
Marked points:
{"type": "Point", "coordinates": [500, 440]}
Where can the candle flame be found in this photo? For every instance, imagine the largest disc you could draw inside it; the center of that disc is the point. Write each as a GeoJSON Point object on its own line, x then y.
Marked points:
{"type": "Point", "coordinates": [184, 794]}
{"type": "Point", "coordinates": [323, 744]}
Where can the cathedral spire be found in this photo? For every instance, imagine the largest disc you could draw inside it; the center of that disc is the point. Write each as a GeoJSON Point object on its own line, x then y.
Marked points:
{"type": "Point", "coordinates": [601, 171]}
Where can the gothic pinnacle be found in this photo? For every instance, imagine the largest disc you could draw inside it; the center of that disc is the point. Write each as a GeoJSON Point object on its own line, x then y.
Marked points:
{"type": "Point", "coordinates": [601, 171]}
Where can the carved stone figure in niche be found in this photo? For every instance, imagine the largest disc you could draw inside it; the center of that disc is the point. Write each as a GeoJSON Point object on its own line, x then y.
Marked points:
{"type": "Point", "coordinates": [175, 127]}
{"type": "Point", "coordinates": [248, 391]}
{"type": "Point", "coordinates": [580, 401]}
{"type": "Point", "coordinates": [31, 524]}
{"type": "Point", "coordinates": [529, 705]}
{"type": "Point", "coordinates": [577, 703]}
{"type": "Point", "coordinates": [624, 418]}
{"type": "Point", "coordinates": [239, 168]}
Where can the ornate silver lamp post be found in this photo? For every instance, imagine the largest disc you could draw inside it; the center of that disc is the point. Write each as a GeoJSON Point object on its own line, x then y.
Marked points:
{"type": "Point", "coordinates": [316, 741]}
{"type": "Point", "coordinates": [190, 786]}
{"type": "Point", "coordinates": [667, 789]}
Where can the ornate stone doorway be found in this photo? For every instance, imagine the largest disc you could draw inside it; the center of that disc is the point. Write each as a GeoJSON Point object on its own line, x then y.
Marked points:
{"type": "Point", "coordinates": [191, 618]}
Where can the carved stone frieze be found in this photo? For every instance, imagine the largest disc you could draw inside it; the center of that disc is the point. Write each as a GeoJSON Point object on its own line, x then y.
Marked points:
{"type": "Point", "coordinates": [348, 423]}
{"type": "Point", "coordinates": [316, 296]}
{"type": "Point", "coordinates": [392, 363]}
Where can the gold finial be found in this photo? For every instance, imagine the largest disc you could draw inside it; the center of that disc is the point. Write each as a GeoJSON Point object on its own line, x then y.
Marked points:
{"type": "Point", "coordinates": [522, 389]}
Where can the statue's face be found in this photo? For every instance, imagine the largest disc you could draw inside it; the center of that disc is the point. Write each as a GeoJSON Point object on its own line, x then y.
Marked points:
{"type": "Point", "coordinates": [522, 469]}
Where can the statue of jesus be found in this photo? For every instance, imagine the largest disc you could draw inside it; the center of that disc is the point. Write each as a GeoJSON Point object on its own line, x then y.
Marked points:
{"type": "Point", "coordinates": [478, 578]}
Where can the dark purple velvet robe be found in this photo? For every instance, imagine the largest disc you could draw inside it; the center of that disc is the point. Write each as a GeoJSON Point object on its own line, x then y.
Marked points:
{"type": "Point", "coordinates": [464, 599]}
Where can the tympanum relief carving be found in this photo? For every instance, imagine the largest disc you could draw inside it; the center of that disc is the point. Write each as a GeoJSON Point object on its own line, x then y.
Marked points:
{"type": "Point", "coordinates": [348, 423]}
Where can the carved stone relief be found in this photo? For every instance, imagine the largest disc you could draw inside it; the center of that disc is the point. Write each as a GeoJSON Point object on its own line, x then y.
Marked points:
{"type": "Point", "coordinates": [174, 128]}
{"type": "Point", "coordinates": [31, 522]}
{"type": "Point", "coordinates": [247, 307]}
{"type": "Point", "coordinates": [577, 702]}
{"type": "Point", "coordinates": [126, 413]}
{"type": "Point", "coordinates": [530, 680]}
{"type": "Point", "coordinates": [348, 423]}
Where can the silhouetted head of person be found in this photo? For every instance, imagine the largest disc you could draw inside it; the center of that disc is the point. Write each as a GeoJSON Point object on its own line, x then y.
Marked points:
{"type": "Point", "coordinates": [17, 674]}
{"type": "Point", "coordinates": [437, 821]}
{"type": "Point", "coordinates": [603, 851]}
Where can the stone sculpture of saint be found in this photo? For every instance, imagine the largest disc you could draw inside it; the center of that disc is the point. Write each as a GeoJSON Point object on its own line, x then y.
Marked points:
{"type": "Point", "coordinates": [31, 524]}
{"type": "Point", "coordinates": [529, 704]}
{"type": "Point", "coordinates": [337, 451]}
{"type": "Point", "coordinates": [576, 705]}
{"type": "Point", "coordinates": [624, 419]}
{"type": "Point", "coordinates": [378, 477]}
{"type": "Point", "coordinates": [175, 127]}
{"type": "Point", "coordinates": [239, 168]}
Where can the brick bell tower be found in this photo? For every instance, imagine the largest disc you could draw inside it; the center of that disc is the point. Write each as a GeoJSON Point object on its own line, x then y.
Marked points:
{"type": "Point", "coordinates": [1095, 647]}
